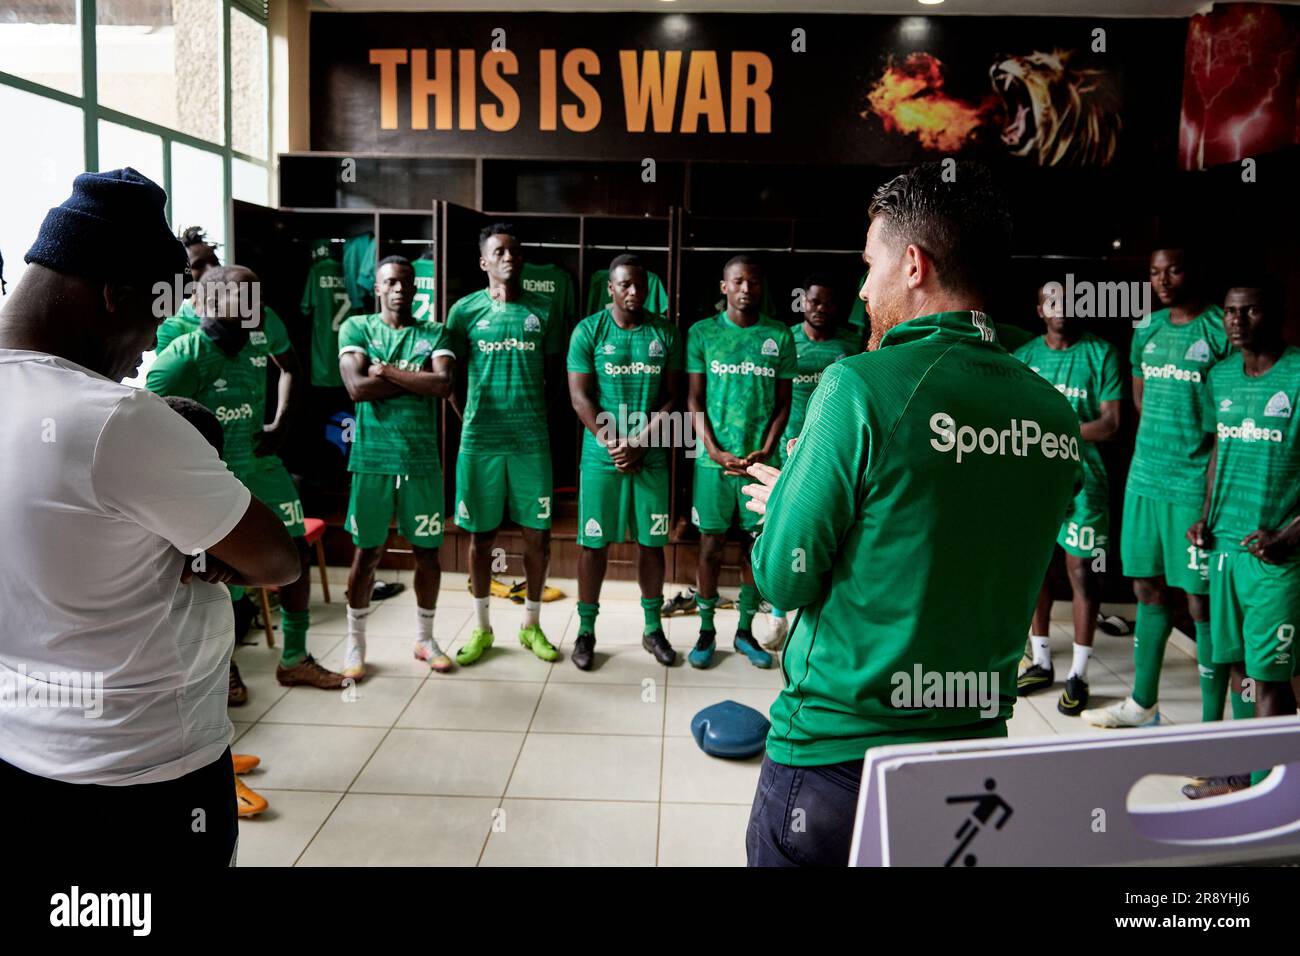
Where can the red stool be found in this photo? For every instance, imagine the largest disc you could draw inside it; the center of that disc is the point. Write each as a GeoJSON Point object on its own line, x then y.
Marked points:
{"type": "Point", "coordinates": [315, 534]}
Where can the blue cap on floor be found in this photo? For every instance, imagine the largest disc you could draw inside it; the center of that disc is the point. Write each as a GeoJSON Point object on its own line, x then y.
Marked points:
{"type": "Point", "coordinates": [730, 730]}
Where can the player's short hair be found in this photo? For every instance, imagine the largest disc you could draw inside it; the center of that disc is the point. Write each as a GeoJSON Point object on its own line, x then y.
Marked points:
{"type": "Point", "coordinates": [201, 418]}
{"type": "Point", "coordinates": [402, 261]}
{"type": "Point", "coordinates": [626, 259]}
{"type": "Point", "coordinates": [742, 260]}
{"type": "Point", "coordinates": [959, 218]}
{"type": "Point", "coordinates": [193, 235]}
{"type": "Point", "coordinates": [496, 229]}
{"type": "Point", "coordinates": [822, 279]}
{"type": "Point", "coordinates": [1271, 290]}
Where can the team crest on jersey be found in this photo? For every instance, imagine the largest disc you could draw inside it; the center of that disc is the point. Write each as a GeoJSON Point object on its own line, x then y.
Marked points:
{"type": "Point", "coordinates": [532, 324]}
{"type": "Point", "coordinates": [609, 348]}
{"type": "Point", "coordinates": [769, 347]}
{"type": "Point", "coordinates": [1279, 406]}
{"type": "Point", "coordinates": [462, 512]}
{"type": "Point", "coordinates": [219, 385]}
{"type": "Point", "coordinates": [1151, 347]}
{"type": "Point", "coordinates": [592, 528]}
{"type": "Point", "coordinates": [257, 338]}
{"type": "Point", "coordinates": [423, 347]}
{"type": "Point", "coordinates": [1198, 351]}
{"type": "Point", "coordinates": [1225, 404]}
{"type": "Point", "coordinates": [656, 349]}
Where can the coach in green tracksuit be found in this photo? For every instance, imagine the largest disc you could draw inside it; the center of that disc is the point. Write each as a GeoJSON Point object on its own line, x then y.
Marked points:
{"type": "Point", "coordinates": [913, 521]}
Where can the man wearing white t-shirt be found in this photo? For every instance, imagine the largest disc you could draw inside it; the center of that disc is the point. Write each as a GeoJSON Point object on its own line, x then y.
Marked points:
{"type": "Point", "coordinates": [113, 731]}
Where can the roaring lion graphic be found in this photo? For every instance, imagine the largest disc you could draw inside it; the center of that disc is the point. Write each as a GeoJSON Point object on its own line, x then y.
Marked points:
{"type": "Point", "coordinates": [1057, 115]}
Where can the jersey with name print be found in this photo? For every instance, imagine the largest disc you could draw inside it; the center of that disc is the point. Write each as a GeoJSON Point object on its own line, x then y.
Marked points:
{"type": "Point", "coordinates": [503, 346]}
{"type": "Point", "coordinates": [423, 303]}
{"type": "Point", "coordinates": [325, 301]}
{"type": "Point", "coordinates": [397, 435]}
{"type": "Point", "coordinates": [1254, 420]}
{"type": "Point", "coordinates": [1170, 453]}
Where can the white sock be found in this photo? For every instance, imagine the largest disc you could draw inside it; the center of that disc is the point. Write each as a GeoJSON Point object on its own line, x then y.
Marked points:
{"type": "Point", "coordinates": [1042, 650]}
{"type": "Point", "coordinates": [481, 609]}
{"type": "Point", "coordinates": [357, 617]}
{"type": "Point", "coordinates": [1079, 668]}
{"type": "Point", "coordinates": [532, 613]}
{"type": "Point", "coordinates": [424, 624]}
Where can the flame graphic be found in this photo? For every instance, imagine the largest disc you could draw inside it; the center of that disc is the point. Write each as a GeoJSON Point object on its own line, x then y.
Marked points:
{"type": "Point", "coordinates": [910, 100]}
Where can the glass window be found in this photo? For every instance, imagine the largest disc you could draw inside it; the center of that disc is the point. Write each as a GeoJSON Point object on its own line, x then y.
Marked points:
{"type": "Point", "coordinates": [40, 41]}
{"type": "Point", "coordinates": [161, 60]}
{"type": "Point", "coordinates": [122, 146]}
{"type": "Point", "coordinates": [248, 92]}
{"type": "Point", "coordinates": [248, 181]}
{"type": "Point", "coordinates": [197, 191]}
{"type": "Point", "coordinates": [38, 176]}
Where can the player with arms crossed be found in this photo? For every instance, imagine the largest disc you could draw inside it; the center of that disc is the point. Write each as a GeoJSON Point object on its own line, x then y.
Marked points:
{"type": "Point", "coordinates": [1085, 369]}
{"type": "Point", "coordinates": [395, 368]}
{"type": "Point", "coordinates": [624, 364]}
{"type": "Point", "coordinates": [222, 365]}
{"type": "Point", "coordinates": [741, 363]}
{"type": "Point", "coordinates": [507, 347]}
{"type": "Point", "coordinates": [1250, 522]}
{"type": "Point", "coordinates": [1170, 358]}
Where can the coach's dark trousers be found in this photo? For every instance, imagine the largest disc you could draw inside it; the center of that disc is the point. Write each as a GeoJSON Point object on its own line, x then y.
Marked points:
{"type": "Point", "coordinates": [803, 816]}
{"type": "Point", "coordinates": [190, 822]}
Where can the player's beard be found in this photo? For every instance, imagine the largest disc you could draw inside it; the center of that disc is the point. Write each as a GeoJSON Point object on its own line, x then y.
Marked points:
{"type": "Point", "coordinates": [882, 320]}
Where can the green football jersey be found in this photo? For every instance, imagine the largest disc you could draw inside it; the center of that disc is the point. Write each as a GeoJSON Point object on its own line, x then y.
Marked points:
{"type": "Point", "coordinates": [234, 389]}
{"type": "Point", "coordinates": [325, 301]}
{"type": "Point", "coordinates": [503, 347]}
{"type": "Point", "coordinates": [1170, 453]}
{"type": "Point", "coordinates": [1256, 425]}
{"type": "Point", "coordinates": [556, 285]}
{"type": "Point", "coordinates": [1087, 374]}
{"type": "Point", "coordinates": [629, 366]}
{"type": "Point", "coordinates": [912, 527]}
{"type": "Point", "coordinates": [813, 359]}
{"type": "Point", "coordinates": [397, 435]}
{"type": "Point", "coordinates": [186, 320]}
{"type": "Point", "coordinates": [741, 368]}
{"type": "Point", "coordinates": [598, 297]}
{"type": "Point", "coordinates": [424, 307]}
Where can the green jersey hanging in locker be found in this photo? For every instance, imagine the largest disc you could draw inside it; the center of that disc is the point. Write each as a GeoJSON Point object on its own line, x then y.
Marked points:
{"type": "Point", "coordinates": [423, 304]}
{"type": "Point", "coordinates": [326, 302]}
{"type": "Point", "coordinates": [554, 284]}
{"type": "Point", "coordinates": [598, 297]}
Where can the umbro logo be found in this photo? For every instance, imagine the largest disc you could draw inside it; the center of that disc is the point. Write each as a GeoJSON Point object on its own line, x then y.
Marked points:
{"type": "Point", "coordinates": [462, 512]}
{"type": "Point", "coordinates": [1198, 351]}
{"type": "Point", "coordinates": [532, 324]}
{"type": "Point", "coordinates": [769, 347]}
{"type": "Point", "coordinates": [609, 348]}
{"type": "Point", "coordinates": [1225, 404]}
{"type": "Point", "coordinates": [592, 528]}
{"type": "Point", "coordinates": [1279, 406]}
{"type": "Point", "coordinates": [483, 323]}
{"type": "Point", "coordinates": [656, 349]}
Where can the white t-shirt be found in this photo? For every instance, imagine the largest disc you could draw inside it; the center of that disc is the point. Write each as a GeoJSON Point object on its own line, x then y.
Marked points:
{"type": "Point", "coordinates": [111, 670]}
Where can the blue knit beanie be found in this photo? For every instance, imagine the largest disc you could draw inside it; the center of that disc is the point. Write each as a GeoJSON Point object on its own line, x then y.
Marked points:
{"type": "Point", "coordinates": [113, 227]}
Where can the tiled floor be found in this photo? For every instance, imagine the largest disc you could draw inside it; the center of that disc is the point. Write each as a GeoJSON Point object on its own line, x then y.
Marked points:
{"type": "Point", "coordinates": [515, 762]}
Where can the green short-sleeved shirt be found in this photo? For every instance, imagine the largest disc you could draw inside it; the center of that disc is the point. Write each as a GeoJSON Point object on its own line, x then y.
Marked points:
{"type": "Point", "coordinates": [503, 348]}
{"type": "Point", "coordinates": [814, 358]}
{"type": "Point", "coordinates": [1087, 374]}
{"type": "Point", "coordinates": [326, 303]}
{"type": "Point", "coordinates": [741, 366]}
{"type": "Point", "coordinates": [1256, 422]}
{"type": "Point", "coordinates": [629, 366]}
{"type": "Point", "coordinates": [397, 435]}
{"type": "Point", "coordinates": [1170, 453]}
{"type": "Point", "coordinates": [233, 388]}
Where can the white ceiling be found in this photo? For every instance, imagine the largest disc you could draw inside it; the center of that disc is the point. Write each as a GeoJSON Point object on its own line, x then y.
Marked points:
{"type": "Point", "coordinates": [1073, 8]}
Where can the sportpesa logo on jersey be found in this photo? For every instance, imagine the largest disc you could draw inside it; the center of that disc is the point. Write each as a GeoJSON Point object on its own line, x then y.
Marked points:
{"type": "Point", "coordinates": [633, 368]}
{"type": "Point", "coordinates": [507, 345]}
{"type": "Point", "coordinates": [1069, 391]}
{"type": "Point", "coordinates": [226, 415]}
{"type": "Point", "coordinates": [1198, 351]}
{"type": "Point", "coordinates": [741, 368]}
{"type": "Point", "coordinates": [1015, 440]}
{"type": "Point", "coordinates": [1170, 371]}
{"type": "Point", "coordinates": [1279, 406]}
{"type": "Point", "coordinates": [812, 378]}
{"type": "Point", "coordinates": [532, 324]}
{"type": "Point", "coordinates": [1248, 431]}
{"type": "Point", "coordinates": [769, 347]}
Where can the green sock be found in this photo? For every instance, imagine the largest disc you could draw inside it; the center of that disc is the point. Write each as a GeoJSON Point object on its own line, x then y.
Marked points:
{"type": "Point", "coordinates": [705, 606]}
{"type": "Point", "coordinates": [650, 609]}
{"type": "Point", "coordinates": [1214, 677]}
{"type": "Point", "coordinates": [748, 606]}
{"type": "Point", "coordinates": [1242, 709]}
{"type": "Point", "coordinates": [1150, 635]}
{"type": "Point", "coordinates": [587, 618]}
{"type": "Point", "coordinates": [293, 624]}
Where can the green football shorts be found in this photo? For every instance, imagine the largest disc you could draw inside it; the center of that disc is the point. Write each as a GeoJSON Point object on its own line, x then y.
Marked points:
{"type": "Point", "coordinates": [486, 483]}
{"type": "Point", "coordinates": [717, 499]}
{"type": "Point", "coordinates": [1254, 611]}
{"type": "Point", "coordinates": [415, 499]}
{"type": "Point", "coordinates": [613, 506]}
{"type": "Point", "coordinates": [1154, 544]}
{"type": "Point", "coordinates": [271, 485]}
{"type": "Point", "coordinates": [1087, 529]}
